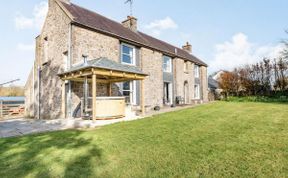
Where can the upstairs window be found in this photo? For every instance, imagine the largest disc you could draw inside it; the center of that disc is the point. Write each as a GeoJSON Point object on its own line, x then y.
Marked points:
{"type": "Point", "coordinates": [197, 91]}
{"type": "Point", "coordinates": [167, 64]}
{"type": "Point", "coordinates": [127, 54]}
{"type": "Point", "coordinates": [196, 71]}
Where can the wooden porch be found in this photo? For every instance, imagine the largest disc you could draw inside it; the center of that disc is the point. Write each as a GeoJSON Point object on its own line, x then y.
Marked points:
{"type": "Point", "coordinates": [95, 73]}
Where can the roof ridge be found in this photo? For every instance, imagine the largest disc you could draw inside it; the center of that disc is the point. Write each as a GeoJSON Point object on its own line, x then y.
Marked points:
{"type": "Point", "coordinates": [95, 13]}
{"type": "Point", "coordinates": [176, 47]}
{"type": "Point", "coordinates": [116, 22]}
{"type": "Point", "coordinates": [91, 19]}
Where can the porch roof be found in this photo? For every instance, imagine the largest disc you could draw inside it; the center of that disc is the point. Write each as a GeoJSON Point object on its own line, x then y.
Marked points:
{"type": "Point", "coordinates": [106, 70]}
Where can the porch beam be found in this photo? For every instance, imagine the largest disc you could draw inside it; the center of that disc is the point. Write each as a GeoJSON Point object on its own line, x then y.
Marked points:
{"type": "Point", "coordinates": [90, 80]}
{"type": "Point", "coordinates": [63, 100]}
{"type": "Point", "coordinates": [101, 72]}
{"type": "Point", "coordinates": [94, 90]}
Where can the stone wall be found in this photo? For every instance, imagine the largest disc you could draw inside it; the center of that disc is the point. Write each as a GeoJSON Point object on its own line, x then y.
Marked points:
{"type": "Point", "coordinates": [56, 34]}
{"type": "Point", "coordinates": [153, 84]}
{"type": "Point", "coordinates": [29, 95]}
{"type": "Point", "coordinates": [181, 76]}
{"type": "Point", "coordinates": [204, 83]}
{"type": "Point", "coordinates": [93, 44]}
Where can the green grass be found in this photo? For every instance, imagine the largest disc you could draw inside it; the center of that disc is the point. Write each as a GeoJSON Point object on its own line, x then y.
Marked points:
{"type": "Point", "coordinates": [223, 139]}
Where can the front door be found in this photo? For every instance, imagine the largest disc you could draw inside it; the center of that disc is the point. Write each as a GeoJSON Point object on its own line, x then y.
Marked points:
{"type": "Point", "coordinates": [167, 93]}
{"type": "Point", "coordinates": [186, 93]}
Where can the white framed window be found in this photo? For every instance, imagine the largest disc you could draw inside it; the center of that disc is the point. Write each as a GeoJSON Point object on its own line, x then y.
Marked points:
{"type": "Point", "coordinates": [167, 64]}
{"type": "Point", "coordinates": [129, 91]}
{"type": "Point", "coordinates": [197, 91]}
{"type": "Point", "coordinates": [196, 71]}
{"type": "Point", "coordinates": [128, 54]}
{"type": "Point", "coordinates": [186, 66]}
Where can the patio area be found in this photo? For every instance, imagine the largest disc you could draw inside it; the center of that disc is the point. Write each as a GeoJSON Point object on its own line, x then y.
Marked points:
{"type": "Point", "coordinates": [24, 126]}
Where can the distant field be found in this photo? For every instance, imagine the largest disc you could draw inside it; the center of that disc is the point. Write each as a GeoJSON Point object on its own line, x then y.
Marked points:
{"type": "Point", "coordinates": [223, 139]}
{"type": "Point", "coordinates": [11, 91]}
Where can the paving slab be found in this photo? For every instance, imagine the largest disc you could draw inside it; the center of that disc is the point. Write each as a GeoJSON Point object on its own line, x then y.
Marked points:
{"type": "Point", "coordinates": [23, 126]}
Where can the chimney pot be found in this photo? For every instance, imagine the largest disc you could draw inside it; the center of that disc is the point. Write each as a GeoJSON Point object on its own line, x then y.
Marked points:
{"type": "Point", "coordinates": [187, 47]}
{"type": "Point", "coordinates": [131, 23]}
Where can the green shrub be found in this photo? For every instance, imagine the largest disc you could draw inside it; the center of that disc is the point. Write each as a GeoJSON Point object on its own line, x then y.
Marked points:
{"type": "Point", "coordinates": [276, 99]}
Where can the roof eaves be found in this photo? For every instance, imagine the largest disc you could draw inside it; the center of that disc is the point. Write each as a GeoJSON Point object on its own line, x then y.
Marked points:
{"type": "Point", "coordinates": [65, 10]}
{"type": "Point", "coordinates": [80, 24]}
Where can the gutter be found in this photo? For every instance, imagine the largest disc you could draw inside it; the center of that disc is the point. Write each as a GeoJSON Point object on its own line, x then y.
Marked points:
{"type": "Point", "coordinates": [39, 81]}
{"type": "Point", "coordinates": [136, 43]}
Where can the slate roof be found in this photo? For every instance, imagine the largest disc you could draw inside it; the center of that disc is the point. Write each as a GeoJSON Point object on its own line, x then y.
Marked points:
{"type": "Point", "coordinates": [105, 63]}
{"type": "Point", "coordinates": [98, 22]}
{"type": "Point", "coordinates": [212, 83]}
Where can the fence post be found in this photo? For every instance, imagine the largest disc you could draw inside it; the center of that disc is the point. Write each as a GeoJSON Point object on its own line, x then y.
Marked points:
{"type": "Point", "coordinates": [1, 108]}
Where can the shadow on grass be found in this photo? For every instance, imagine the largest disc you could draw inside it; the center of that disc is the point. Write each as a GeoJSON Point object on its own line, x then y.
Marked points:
{"type": "Point", "coordinates": [40, 155]}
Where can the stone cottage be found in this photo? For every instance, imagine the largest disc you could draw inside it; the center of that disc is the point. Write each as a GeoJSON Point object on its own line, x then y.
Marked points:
{"type": "Point", "coordinates": [83, 58]}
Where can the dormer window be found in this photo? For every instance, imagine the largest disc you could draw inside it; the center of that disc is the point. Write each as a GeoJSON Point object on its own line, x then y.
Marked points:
{"type": "Point", "coordinates": [167, 64]}
{"type": "Point", "coordinates": [127, 54]}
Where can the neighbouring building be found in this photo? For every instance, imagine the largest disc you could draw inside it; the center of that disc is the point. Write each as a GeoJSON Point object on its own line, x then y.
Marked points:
{"type": "Point", "coordinates": [86, 60]}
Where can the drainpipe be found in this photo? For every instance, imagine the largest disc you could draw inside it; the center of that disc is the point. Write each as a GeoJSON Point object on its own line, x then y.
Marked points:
{"type": "Point", "coordinates": [68, 106]}
{"type": "Point", "coordinates": [174, 82]}
{"type": "Point", "coordinates": [39, 81]}
{"type": "Point", "coordinates": [33, 89]}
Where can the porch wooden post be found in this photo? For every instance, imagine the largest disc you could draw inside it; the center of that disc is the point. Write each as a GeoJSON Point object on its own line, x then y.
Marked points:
{"type": "Point", "coordinates": [142, 98]}
{"type": "Point", "coordinates": [109, 89]}
{"type": "Point", "coordinates": [63, 100]}
{"type": "Point", "coordinates": [94, 90]}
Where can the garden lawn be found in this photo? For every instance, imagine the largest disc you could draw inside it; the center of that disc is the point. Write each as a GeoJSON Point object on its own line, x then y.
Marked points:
{"type": "Point", "coordinates": [222, 139]}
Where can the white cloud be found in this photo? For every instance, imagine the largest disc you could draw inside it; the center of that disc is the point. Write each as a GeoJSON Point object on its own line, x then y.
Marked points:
{"type": "Point", "coordinates": [239, 51]}
{"type": "Point", "coordinates": [157, 26]}
{"type": "Point", "coordinates": [25, 47]}
{"type": "Point", "coordinates": [36, 21]}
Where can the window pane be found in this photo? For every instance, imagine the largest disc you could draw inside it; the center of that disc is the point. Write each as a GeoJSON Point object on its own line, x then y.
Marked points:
{"type": "Point", "coordinates": [126, 86]}
{"type": "Point", "coordinates": [167, 64]}
{"type": "Point", "coordinates": [196, 68]}
{"type": "Point", "coordinates": [126, 59]}
{"type": "Point", "coordinates": [126, 93]}
{"type": "Point", "coordinates": [127, 50]}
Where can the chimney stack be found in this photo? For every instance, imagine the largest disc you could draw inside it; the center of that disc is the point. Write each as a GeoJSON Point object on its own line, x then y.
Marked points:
{"type": "Point", "coordinates": [187, 47]}
{"type": "Point", "coordinates": [131, 23]}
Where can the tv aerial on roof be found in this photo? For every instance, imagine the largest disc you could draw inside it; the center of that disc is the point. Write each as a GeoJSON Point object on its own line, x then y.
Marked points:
{"type": "Point", "coordinates": [131, 6]}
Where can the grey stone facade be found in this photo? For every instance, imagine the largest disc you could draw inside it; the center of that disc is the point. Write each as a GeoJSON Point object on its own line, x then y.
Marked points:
{"type": "Point", "coordinates": [60, 36]}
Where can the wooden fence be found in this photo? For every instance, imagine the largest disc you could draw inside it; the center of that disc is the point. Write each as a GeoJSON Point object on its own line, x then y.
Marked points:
{"type": "Point", "coordinates": [11, 109]}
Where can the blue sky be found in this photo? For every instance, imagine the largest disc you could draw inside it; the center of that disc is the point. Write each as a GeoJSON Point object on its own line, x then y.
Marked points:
{"type": "Point", "coordinates": [223, 33]}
